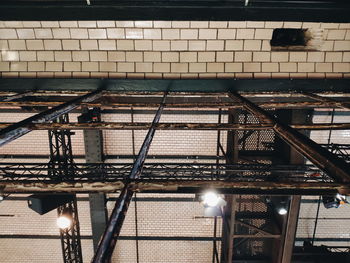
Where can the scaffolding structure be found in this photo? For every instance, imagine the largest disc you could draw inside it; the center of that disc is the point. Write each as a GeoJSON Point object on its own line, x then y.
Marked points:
{"type": "Point", "coordinates": [267, 145]}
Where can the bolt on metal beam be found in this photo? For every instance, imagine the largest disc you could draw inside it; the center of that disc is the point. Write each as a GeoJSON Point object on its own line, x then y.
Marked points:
{"type": "Point", "coordinates": [334, 166]}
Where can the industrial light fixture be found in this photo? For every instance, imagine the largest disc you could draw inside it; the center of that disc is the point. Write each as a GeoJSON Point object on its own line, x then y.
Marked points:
{"type": "Point", "coordinates": [282, 211]}
{"type": "Point", "coordinates": [335, 201]}
{"type": "Point", "coordinates": [211, 199]}
{"type": "Point", "coordinates": [212, 203]}
{"type": "Point", "coordinates": [65, 220]}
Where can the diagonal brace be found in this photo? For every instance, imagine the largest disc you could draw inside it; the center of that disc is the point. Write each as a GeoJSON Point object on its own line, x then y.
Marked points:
{"type": "Point", "coordinates": [266, 233]}
{"type": "Point", "coordinates": [334, 166]}
{"type": "Point", "coordinates": [21, 128]}
{"type": "Point", "coordinates": [110, 236]}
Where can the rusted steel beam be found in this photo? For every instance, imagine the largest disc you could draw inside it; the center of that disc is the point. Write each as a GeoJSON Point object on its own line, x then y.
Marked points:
{"type": "Point", "coordinates": [175, 126]}
{"type": "Point", "coordinates": [291, 228]}
{"type": "Point", "coordinates": [334, 166]}
{"type": "Point", "coordinates": [21, 128]}
{"type": "Point", "coordinates": [174, 186]}
{"type": "Point", "coordinates": [177, 93]}
{"type": "Point", "coordinates": [111, 105]}
{"type": "Point", "coordinates": [17, 96]}
{"type": "Point", "coordinates": [110, 236]}
{"type": "Point", "coordinates": [338, 104]}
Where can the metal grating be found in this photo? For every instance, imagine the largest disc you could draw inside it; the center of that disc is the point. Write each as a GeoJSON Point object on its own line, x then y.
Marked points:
{"type": "Point", "coordinates": [260, 140]}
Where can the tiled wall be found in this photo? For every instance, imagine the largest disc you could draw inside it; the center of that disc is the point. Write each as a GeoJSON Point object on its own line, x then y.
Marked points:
{"type": "Point", "coordinates": [327, 225]}
{"type": "Point", "coordinates": [165, 49]}
{"type": "Point", "coordinates": [154, 219]}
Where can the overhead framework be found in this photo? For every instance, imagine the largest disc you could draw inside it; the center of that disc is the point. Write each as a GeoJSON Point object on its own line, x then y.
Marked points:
{"type": "Point", "coordinates": [255, 113]}
{"type": "Point", "coordinates": [332, 171]}
{"type": "Point", "coordinates": [21, 128]}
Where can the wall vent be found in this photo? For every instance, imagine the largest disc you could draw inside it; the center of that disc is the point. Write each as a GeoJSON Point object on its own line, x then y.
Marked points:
{"type": "Point", "coordinates": [296, 39]}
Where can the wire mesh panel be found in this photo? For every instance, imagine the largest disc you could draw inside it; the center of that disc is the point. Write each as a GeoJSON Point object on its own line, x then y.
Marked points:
{"type": "Point", "coordinates": [254, 140]}
{"type": "Point", "coordinates": [252, 210]}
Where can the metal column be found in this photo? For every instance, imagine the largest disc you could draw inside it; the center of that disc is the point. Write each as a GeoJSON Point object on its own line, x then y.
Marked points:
{"type": "Point", "coordinates": [229, 216]}
{"type": "Point", "coordinates": [93, 142]}
{"type": "Point", "coordinates": [109, 239]}
{"type": "Point", "coordinates": [335, 167]}
{"type": "Point", "coordinates": [21, 128]}
{"type": "Point", "coordinates": [61, 167]}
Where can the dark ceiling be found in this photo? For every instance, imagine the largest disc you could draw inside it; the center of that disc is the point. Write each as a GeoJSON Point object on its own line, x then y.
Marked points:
{"type": "Point", "coordinates": [233, 10]}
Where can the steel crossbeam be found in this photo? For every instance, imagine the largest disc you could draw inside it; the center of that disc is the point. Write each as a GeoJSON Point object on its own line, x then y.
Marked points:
{"type": "Point", "coordinates": [21, 128]}
{"type": "Point", "coordinates": [297, 179]}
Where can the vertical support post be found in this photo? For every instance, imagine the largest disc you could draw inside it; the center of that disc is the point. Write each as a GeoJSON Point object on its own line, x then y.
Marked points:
{"type": "Point", "coordinates": [21, 128]}
{"type": "Point", "coordinates": [93, 142]}
{"type": "Point", "coordinates": [61, 166]}
{"type": "Point", "coordinates": [229, 215]}
{"type": "Point", "coordinates": [70, 237]}
{"type": "Point", "coordinates": [285, 245]}
{"type": "Point", "coordinates": [111, 234]}
{"type": "Point", "coordinates": [334, 166]}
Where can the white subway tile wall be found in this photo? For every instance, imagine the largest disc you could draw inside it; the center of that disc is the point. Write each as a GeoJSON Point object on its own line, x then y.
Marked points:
{"type": "Point", "coordinates": [167, 49]}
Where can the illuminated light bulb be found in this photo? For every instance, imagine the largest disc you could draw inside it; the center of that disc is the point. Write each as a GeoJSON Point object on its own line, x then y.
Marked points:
{"type": "Point", "coordinates": [64, 222]}
{"type": "Point", "coordinates": [211, 199]}
{"type": "Point", "coordinates": [282, 211]}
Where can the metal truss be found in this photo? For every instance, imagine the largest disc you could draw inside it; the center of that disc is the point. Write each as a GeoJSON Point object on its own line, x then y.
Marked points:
{"type": "Point", "coordinates": [60, 168]}
{"type": "Point", "coordinates": [107, 172]}
{"type": "Point", "coordinates": [70, 237]}
{"type": "Point", "coordinates": [61, 156]}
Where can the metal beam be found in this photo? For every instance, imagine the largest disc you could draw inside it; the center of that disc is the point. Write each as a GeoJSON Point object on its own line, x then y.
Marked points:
{"type": "Point", "coordinates": [17, 96]}
{"type": "Point", "coordinates": [209, 86]}
{"type": "Point", "coordinates": [335, 167]}
{"type": "Point", "coordinates": [289, 228]}
{"type": "Point", "coordinates": [108, 177]}
{"type": "Point", "coordinates": [150, 105]}
{"type": "Point", "coordinates": [93, 142]}
{"type": "Point", "coordinates": [134, 94]}
{"type": "Point", "coordinates": [179, 186]}
{"type": "Point", "coordinates": [229, 211]}
{"type": "Point", "coordinates": [261, 231]}
{"type": "Point", "coordinates": [109, 238]}
{"type": "Point", "coordinates": [339, 104]}
{"type": "Point", "coordinates": [21, 128]}
{"type": "Point", "coordinates": [175, 126]}
{"type": "Point", "coordinates": [60, 168]}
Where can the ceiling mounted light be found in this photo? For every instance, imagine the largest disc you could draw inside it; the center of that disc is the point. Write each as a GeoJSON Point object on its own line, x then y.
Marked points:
{"type": "Point", "coordinates": [211, 199]}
